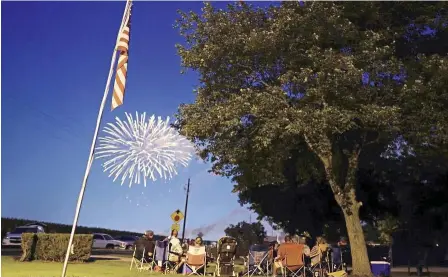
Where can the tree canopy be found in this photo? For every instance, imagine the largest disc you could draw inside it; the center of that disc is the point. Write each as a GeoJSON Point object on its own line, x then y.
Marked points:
{"type": "Point", "coordinates": [246, 234]}
{"type": "Point", "coordinates": [337, 85]}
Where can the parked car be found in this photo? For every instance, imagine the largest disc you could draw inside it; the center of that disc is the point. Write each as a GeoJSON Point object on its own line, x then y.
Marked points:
{"type": "Point", "coordinates": [127, 241]}
{"type": "Point", "coordinates": [14, 238]}
{"type": "Point", "coordinates": [105, 241]}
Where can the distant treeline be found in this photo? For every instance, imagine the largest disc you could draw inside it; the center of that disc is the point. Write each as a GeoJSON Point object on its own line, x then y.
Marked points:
{"type": "Point", "coordinates": [9, 224]}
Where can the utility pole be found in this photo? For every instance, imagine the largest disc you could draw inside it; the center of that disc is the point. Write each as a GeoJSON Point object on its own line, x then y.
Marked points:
{"type": "Point", "coordinates": [185, 212]}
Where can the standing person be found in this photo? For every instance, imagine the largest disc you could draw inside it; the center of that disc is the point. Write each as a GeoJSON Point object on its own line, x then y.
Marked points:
{"type": "Point", "coordinates": [144, 246]}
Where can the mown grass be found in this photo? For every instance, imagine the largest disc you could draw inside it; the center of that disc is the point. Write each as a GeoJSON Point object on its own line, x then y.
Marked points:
{"type": "Point", "coordinates": [105, 268]}
{"type": "Point", "coordinates": [100, 268]}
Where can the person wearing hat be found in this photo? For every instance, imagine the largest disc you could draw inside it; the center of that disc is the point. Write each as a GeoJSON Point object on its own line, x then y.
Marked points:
{"type": "Point", "coordinates": [145, 246]}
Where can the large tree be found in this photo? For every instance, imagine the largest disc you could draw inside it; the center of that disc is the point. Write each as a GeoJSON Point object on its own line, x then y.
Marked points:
{"type": "Point", "coordinates": [320, 80]}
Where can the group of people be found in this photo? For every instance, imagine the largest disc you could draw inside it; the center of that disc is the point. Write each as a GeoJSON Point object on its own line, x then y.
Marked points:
{"type": "Point", "coordinates": [176, 255]}
{"type": "Point", "coordinates": [298, 245]}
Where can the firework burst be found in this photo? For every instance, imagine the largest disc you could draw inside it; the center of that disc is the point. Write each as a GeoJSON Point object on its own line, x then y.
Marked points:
{"type": "Point", "coordinates": [139, 149]}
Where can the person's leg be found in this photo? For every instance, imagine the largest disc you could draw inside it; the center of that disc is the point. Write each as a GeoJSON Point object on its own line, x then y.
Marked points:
{"type": "Point", "coordinates": [275, 267]}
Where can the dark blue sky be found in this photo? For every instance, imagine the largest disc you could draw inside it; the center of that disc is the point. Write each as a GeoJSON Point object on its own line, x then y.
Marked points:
{"type": "Point", "coordinates": [55, 60]}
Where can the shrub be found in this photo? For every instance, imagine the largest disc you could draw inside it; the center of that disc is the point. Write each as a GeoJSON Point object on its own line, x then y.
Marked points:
{"type": "Point", "coordinates": [52, 247]}
{"type": "Point", "coordinates": [28, 246]}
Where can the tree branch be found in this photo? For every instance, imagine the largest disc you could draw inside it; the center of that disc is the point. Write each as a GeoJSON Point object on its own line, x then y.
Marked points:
{"type": "Point", "coordinates": [328, 167]}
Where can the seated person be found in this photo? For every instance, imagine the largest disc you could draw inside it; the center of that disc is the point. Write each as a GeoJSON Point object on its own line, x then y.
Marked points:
{"type": "Point", "coordinates": [317, 251]}
{"type": "Point", "coordinates": [283, 250]}
{"type": "Point", "coordinates": [176, 250]}
{"type": "Point", "coordinates": [198, 242]}
{"type": "Point", "coordinates": [306, 248]}
{"type": "Point", "coordinates": [273, 247]}
{"type": "Point", "coordinates": [146, 243]}
{"type": "Point", "coordinates": [195, 248]}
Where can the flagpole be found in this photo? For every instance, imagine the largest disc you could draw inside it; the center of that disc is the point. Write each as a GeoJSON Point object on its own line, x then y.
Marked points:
{"type": "Point", "coordinates": [92, 148]}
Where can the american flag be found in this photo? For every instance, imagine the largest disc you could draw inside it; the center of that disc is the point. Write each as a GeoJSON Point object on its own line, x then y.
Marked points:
{"type": "Point", "coordinates": [122, 67]}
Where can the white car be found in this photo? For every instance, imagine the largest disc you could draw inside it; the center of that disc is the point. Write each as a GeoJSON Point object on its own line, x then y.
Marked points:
{"type": "Point", "coordinates": [14, 238]}
{"type": "Point", "coordinates": [105, 241]}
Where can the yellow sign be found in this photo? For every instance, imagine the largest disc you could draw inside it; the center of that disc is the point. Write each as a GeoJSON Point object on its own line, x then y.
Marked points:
{"type": "Point", "coordinates": [175, 226]}
{"type": "Point", "coordinates": [177, 216]}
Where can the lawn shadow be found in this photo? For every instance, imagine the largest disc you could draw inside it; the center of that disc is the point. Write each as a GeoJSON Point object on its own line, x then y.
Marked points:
{"type": "Point", "coordinates": [94, 259]}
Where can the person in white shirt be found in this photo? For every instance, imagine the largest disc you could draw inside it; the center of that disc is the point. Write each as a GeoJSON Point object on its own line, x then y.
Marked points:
{"type": "Point", "coordinates": [175, 248]}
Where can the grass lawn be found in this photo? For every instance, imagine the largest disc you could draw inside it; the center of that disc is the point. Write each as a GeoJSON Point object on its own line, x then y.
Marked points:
{"type": "Point", "coordinates": [98, 268]}
{"type": "Point", "coordinates": [12, 268]}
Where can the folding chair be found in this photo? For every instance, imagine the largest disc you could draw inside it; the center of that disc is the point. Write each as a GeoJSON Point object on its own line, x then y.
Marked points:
{"type": "Point", "coordinates": [196, 260]}
{"type": "Point", "coordinates": [171, 266]}
{"type": "Point", "coordinates": [140, 261]}
{"type": "Point", "coordinates": [135, 262]}
{"type": "Point", "coordinates": [336, 262]}
{"type": "Point", "coordinates": [258, 262]}
{"type": "Point", "coordinates": [161, 254]}
{"type": "Point", "coordinates": [294, 262]}
{"type": "Point", "coordinates": [322, 267]}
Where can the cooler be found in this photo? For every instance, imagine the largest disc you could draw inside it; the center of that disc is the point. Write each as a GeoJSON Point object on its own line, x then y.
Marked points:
{"type": "Point", "coordinates": [380, 268]}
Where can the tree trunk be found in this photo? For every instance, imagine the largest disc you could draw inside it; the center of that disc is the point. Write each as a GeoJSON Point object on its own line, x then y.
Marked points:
{"type": "Point", "coordinates": [346, 198]}
{"type": "Point", "coordinates": [358, 248]}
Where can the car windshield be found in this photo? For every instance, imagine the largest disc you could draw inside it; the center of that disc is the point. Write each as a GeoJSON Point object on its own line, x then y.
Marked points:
{"type": "Point", "coordinates": [107, 237]}
{"type": "Point", "coordinates": [21, 230]}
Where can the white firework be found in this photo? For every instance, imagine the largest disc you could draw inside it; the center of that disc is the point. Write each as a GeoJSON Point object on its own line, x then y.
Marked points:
{"type": "Point", "coordinates": [142, 148]}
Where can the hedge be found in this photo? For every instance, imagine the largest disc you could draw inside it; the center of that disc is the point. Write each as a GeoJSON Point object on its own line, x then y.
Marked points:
{"type": "Point", "coordinates": [52, 247]}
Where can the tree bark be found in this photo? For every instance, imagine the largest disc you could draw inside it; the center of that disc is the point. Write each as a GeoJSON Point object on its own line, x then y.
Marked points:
{"type": "Point", "coordinates": [346, 198]}
{"type": "Point", "coordinates": [358, 247]}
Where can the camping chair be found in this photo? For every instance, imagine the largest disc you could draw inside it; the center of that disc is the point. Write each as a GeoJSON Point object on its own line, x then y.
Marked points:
{"type": "Point", "coordinates": [322, 267]}
{"type": "Point", "coordinates": [196, 260]}
{"type": "Point", "coordinates": [161, 254]}
{"type": "Point", "coordinates": [294, 263]}
{"type": "Point", "coordinates": [171, 266]}
{"type": "Point", "coordinates": [140, 262]}
{"type": "Point", "coordinates": [258, 262]}
{"type": "Point", "coordinates": [336, 262]}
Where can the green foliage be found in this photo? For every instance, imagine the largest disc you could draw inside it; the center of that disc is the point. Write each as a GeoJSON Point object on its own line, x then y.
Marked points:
{"type": "Point", "coordinates": [246, 234]}
{"type": "Point", "coordinates": [52, 247]}
{"type": "Point", "coordinates": [333, 83]}
{"type": "Point", "coordinates": [306, 208]}
{"type": "Point", "coordinates": [275, 81]}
